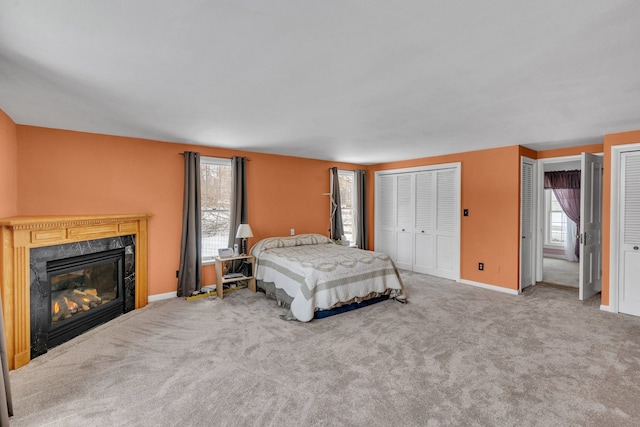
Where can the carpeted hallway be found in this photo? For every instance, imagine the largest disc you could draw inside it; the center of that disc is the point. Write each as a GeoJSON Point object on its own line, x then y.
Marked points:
{"type": "Point", "coordinates": [454, 355]}
{"type": "Point", "coordinates": [561, 272]}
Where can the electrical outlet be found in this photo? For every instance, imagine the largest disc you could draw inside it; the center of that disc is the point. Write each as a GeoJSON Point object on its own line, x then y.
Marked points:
{"type": "Point", "coordinates": [177, 274]}
{"type": "Point", "coordinates": [481, 266]}
{"type": "Point", "coordinates": [293, 231]}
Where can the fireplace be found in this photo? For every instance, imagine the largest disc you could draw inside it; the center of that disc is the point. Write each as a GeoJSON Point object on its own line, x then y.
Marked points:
{"type": "Point", "coordinates": [86, 291]}
{"type": "Point", "coordinates": [25, 286]}
{"type": "Point", "coordinates": [77, 286]}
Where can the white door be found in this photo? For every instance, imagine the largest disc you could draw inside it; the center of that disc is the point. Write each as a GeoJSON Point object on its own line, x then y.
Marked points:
{"type": "Point", "coordinates": [424, 258]}
{"type": "Point", "coordinates": [527, 223]}
{"type": "Point", "coordinates": [436, 231]}
{"type": "Point", "coordinates": [385, 216]}
{"type": "Point", "coordinates": [404, 221]}
{"type": "Point", "coordinates": [447, 249]}
{"type": "Point", "coordinates": [629, 269]}
{"type": "Point", "coordinates": [417, 216]}
{"type": "Point", "coordinates": [590, 226]}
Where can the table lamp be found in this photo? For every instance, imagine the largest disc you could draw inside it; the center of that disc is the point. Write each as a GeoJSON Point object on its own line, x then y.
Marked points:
{"type": "Point", "coordinates": [244, 232]}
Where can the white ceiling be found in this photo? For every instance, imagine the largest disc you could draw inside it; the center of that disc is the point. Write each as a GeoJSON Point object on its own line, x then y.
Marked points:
{"type": "Point", "coordinates": [359, 81]}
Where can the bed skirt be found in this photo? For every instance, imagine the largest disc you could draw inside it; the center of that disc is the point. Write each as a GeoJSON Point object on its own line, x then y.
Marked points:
{"type": "Point", "coordinates": [284, 300]}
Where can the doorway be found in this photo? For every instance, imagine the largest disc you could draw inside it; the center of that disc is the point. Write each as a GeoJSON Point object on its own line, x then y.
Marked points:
{"type": "Point", "coordinates": [586, 187]}
{"type": "Point", "coordinates": [560, 259]}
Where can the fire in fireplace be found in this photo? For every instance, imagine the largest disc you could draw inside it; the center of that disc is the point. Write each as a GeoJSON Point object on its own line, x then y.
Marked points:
{"type": "Point", "coordinates": [75, 269]}
{"type": "Point", "coordinates": [85, 291]}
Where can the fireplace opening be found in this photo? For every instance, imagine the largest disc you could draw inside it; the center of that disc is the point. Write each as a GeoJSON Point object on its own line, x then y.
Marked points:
{"type": "Point", "coordinates": [85, 291]}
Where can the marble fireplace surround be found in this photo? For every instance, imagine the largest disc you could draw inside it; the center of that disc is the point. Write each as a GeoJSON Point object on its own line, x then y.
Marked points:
{"type": "Point", "coordinates": [21, 234]}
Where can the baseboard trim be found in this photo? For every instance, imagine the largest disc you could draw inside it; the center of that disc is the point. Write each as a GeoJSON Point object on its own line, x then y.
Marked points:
{"type": "Point", "coordinates": [490, 287]}
{"type": "Point", "coordinates": [606, 308]}
{"type": "Point", "coordinates": [160, 297]}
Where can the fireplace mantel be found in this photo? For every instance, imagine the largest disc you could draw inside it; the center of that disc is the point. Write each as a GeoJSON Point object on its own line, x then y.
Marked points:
{"type": "Point", "coordinates": [20, 234]}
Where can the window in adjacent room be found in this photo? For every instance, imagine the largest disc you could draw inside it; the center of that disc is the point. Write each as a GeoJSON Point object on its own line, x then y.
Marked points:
{"type": "Point", "coordinates": [347, 199]}
{"type": "Point", "coordinates": [556, 220]}
{"type": "Point", "coordinates": [215, 187]}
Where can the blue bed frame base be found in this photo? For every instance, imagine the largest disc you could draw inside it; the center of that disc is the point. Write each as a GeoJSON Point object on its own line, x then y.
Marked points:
{"type": "Point", "coordinates": [321, 314]}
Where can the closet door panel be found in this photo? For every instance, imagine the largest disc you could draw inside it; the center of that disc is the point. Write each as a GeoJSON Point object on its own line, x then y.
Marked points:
{"type": "Point", "coordinates": [404, 202]}
{"type": "Point", "coordinates": [447, 224]}
{"type": "Point", "coordinates": [404, 221]}
{"type": "Point", "coordinates": [386, 206]}
{"type": "Point", "coordinates": [424, 254]}
{"type": "Point", "coordinates": [404, 250]}
{"type": "Point", "coordinates": [385, 240]}
{"type": "Point", "coordinates": [386, 243]}
{"type": "Point", "coordinates": [446, 257]}
{"type": "Point", "coordinates": [446, 198]}
{"type": "Point", "coordinates": [425, 202]}
{"type": "Point", "coordinates": [424, 260]}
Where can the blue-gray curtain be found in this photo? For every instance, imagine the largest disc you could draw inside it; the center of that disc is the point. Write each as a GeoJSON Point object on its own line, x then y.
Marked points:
{"type": "Point", "coordinates": [239, 212]}
{"type": "Point", "coordinates": [337, 228]}
{"type": "Point", "coordinates": [190, 273]}
{"type": "Point", "coordinates": [361, 209]}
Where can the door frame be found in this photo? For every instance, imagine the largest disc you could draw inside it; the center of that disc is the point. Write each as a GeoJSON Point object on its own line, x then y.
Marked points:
{"type": "Point", "coordinates": [540, 212]}
{"type": "Point", "coordinates": [614, 225]}
{"type": "Point", "coordinates": [534, 194]}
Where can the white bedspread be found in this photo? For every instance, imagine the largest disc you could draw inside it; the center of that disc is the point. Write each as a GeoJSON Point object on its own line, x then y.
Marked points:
{"type": "Point", "coordinates": [319, 274]}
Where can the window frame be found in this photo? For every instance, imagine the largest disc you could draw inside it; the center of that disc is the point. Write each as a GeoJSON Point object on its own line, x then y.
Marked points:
{"type": "Point", "coordinates": [353, 209]}
{"type": "Point", "coordinates": [215, 161]}
{"type": "Point", "coordinates": [548, 221]}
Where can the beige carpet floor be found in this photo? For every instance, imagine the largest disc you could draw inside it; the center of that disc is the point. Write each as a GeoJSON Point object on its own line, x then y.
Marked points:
{"type": "Point", "coordinates": [455, 355]}
{"type": "Point", "coordinates": [561, 272]}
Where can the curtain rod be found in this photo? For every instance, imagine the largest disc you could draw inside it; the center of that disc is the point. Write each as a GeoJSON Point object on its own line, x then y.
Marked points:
{"type": "Point", "coordinates": [220, 157]}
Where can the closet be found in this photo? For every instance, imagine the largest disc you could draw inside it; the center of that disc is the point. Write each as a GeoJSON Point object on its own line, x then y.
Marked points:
{"type": "Point", "coordinates": [417, 217]}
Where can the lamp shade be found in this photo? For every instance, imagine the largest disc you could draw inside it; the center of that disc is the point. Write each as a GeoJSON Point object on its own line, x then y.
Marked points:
{"type": "Point", "coordinates": [244, 231]}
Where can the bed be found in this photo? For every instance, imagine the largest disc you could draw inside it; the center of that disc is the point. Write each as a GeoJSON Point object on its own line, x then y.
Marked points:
{"type": "Point", "coordinates": [311, 275]}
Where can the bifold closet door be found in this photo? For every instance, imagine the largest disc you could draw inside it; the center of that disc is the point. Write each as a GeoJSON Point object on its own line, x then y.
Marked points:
{"type": "Point", "coordinates": [447, 239]}
{"type": "Point", "coordinates": [629, 260]}
{"type": "Point", "coordinates": [404, 221]}
{"type": "Point", "coordinates": [424, 231]}
{"type": "Point", "coordinates": [417, 220]}
{"type": "Point", "coordinates": [394, 218]}
{"type": "Point", "coordinates": [436, 238]}
{"type": "Point", "coordinates": [385, 239]}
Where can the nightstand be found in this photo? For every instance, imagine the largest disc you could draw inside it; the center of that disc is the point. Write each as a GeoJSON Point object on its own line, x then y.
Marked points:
{"type": "Point", "coordinates": [221, 279]}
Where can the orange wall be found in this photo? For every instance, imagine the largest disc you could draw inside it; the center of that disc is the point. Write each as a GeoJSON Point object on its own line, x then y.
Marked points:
{"type": "Point", "coordinates": [491, 191]}
{"type": "Point", "coordinates": [8, 166]}
{"type": "Point", "coordinates": [68, 172]}
{"type": "Point", "coordinates": [571, 151]}
{"type": "Point", "coordinates": [524, 151]}
{"type": "Point", "coordinates": [623, 138]}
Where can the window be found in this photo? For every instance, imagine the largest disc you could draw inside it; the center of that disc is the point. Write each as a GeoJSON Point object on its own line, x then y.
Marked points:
{"type": "Point", "coordinates": [347, 199]}
{"type": "Point", "coordinates": [215, 188]}
{"type": "Point", "coordinates": [556, 220]}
